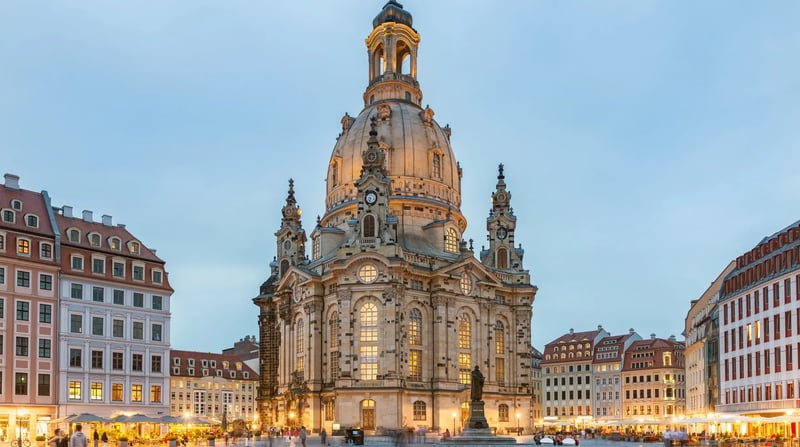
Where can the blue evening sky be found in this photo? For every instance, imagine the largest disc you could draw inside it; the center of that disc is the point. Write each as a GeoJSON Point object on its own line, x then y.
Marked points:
{"type": "Point", "coordinates": [647, 143]}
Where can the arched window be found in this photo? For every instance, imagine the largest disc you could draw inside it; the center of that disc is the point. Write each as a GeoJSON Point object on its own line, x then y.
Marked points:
{"type": "Point", "coordinates": [74, 235]}
{"type": "Point", "coordinates": [333, 344]}
{"type": "Point", "coordinates": [451, 241]}
{"type": "Point", "coordinates": [300, 346]}
{"type": "Point", "coordinates": [368, 223]}
{"type": "Point", "coordinates": [436, 165]}
{"type": "Point", "coordinates": [415, 327]}
{"type": "Point", "coordinates": [368, 339]}
{"type": "Point", "coordinates": [316, 248]}
{"type": "Point", "coordinates": [403, 58]}
{"type": "Point", "coordinates": [499, 338]}
{"type": "Point", "coordinates": [464, 347]}
{"type": "Point", "coordinates": [502, 413]}
{"type": "Point", "coordinates": [334, 173]}
{"type": "Point", "coordinates": [378, 62]}
{"type": "Point", "coordinates": [420, 410]}
{"type": "Point", "coordinates": [502, 258]}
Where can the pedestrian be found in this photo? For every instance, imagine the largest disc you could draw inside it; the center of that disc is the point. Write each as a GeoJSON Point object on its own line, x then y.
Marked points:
{"type": "Point", "coordinates": [323, 436]}
{"type": "Point", "coordinates": [78, 439]}
{"type": "Point", "coordinates": [55, 441]}
{"type": "Point", "coordinates": [96, 438]}
{"type": "Point", "coordinates": [668, 438]}
{"type": "Point", "coordinates": [104, 438]}
{"type": "Point", "coordinates": [303, 435]}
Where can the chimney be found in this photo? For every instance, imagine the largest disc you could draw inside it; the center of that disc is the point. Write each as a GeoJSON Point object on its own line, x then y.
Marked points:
{"type": "Point", "coordinates": [12, 181]}
{"type": "Point", "coordinates": [87, 216]}
{"type": "Point", "coordinates": [652, 336]}
{"type": "Point", "coordinates": [672, 338]}
{"type": "Point", "coordinates": [66, 210]}
{"type": "Point", "coordinates": [121, 226]}
{"type": "Point", "coordinates": [571, 331]}
{"type": "Point", "coordinates": [106, 220]}
{"type": "Point", "coordinates": [599, 327]}
{"type": "Point", "coordinates": [631, 331]}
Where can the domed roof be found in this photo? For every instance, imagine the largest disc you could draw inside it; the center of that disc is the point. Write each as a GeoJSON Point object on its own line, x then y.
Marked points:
{"type": "Point", "coordinates": [392, 12]}
{"type": "Point", "coordinates": [419, 159]}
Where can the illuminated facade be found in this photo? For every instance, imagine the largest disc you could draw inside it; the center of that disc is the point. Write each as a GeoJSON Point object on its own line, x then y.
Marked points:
{"type": "Point", "coordinates": [759, 314]}
{"type": "Point", "coordinates": [28, 312]}
{"type": "Point", "coordinates": [567, 377]}
{"type": "Point", "coordinates": [381, 325]}
{"type": "Point", "coordinates": [609, 355]}
{"type": "Point", "coordinates": [654, 380]}
{"type": "Point", "coordinates": [114, 326]}
{"type": "Point", "coordinates": [212, 385]}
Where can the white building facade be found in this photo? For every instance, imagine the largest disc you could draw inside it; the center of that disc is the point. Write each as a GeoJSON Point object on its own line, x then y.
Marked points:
{"type": "Point", "coordinates": [760, 328]}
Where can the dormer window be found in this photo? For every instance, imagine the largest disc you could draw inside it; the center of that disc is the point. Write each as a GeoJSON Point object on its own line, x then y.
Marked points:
{"type": "Point", "coordinates": [191, 362]}
{"type": "Point", "coordinates": [176, 370]}
{"type": "Point", "coordinates": [156, 276]}
{"type": "Point", "coordinates": [23, 247]}
{"type": "Point", "coordinates": [219, 373]}
{"type": "Point", "coordinates": [16, 204]}
{"type": "Point", "coordinates": [32, 221]}
{"type": "Point", "coordinates": [190, 371]}
{"type": "Point", "coordinates": [246, 375]}
{"type": "Point", "coordinates": [239, 365]}
{"type": "Point", "coordinates": [94, 239]}
{"type": "Point", "coordinates": [213, 363]}
{"type": "Point", "coordinates": [8, 216]}
{"type": "Point", "coordinates": [74, 235]}
{"type": "Point", "coordinates": [134, 248]}
{"type": "Point", "coordinates": [451, 241]}
{"type": "Point", "coordinates": [232, 374]}
{"type": "Point", "coordinates": [116, 244]}
{"type": "Point", "coordinates": [176, 360]}
{"type": "Point", "coordinates": [205, 372]}
{"type": "Point", "coordinates": [225, 364]}
{"type": "Point", "coordinates": [204, 363]}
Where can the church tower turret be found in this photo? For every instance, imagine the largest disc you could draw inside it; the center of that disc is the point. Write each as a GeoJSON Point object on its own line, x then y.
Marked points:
{"type": "Point", "coordinates": [392, 47]}
{"type": "Point", "coordinates": [291, 237]}
{"type": "Point", "coordinates": [500, 226]}
{"type": "Point", "coordinates": [375, 225]}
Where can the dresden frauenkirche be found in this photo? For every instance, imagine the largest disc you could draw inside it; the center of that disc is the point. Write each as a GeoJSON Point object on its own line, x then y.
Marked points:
{"type": "Point", "coordinates": [381, 325]}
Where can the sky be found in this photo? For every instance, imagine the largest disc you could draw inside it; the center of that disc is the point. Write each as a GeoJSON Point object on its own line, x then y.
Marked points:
{"type": "Point", "coordinates": [646, 143]}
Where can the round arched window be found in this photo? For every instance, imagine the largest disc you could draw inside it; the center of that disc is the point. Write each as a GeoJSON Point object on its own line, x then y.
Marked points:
{"type": "Point", "coordinates": [466, 284]}
{"type": "Point", "coordinates": [367, 273]}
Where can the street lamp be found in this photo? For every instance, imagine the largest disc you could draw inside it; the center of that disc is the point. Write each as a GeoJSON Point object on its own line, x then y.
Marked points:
{"type": "Point", "coordinates": [518, 429]}
{"type": "Point", "coordinates": [20, 413]}
{"type": "Point", "coordinates": [454, 423]}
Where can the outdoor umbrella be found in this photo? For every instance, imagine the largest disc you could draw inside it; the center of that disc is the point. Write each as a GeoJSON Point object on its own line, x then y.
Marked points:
{"type": "Point", "coordinates": [84, 417]}
{"type": "Point", "coordinates": [133, 419]}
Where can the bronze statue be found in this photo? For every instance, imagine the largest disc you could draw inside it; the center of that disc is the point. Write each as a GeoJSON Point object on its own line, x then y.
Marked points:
{"type": "Point", "coordinates": [476, 393]}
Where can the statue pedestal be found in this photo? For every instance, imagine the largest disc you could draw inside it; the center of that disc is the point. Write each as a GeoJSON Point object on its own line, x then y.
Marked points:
{"type": "Point", "coordinates": [477, 431]}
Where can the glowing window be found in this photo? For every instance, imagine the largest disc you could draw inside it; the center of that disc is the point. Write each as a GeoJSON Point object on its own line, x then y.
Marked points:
{"type": "Point", "coordinates": [465, 283]}
{"type": "Point", "coordinates": [415, 327]}
{"type": "Point", "coordinates": [367, 273]}
{"type": "Point", "coordinates": [451, 241]}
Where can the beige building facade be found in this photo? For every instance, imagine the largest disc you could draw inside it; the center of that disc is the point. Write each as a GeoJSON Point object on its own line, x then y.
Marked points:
{"type": "Point", "coordinates": [702, 350]}
{"type": "Point", "coordinates": [380, 324]}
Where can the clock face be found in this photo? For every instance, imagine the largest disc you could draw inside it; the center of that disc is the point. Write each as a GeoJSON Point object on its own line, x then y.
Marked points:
{"type": "Point", "coordinates": [501, 197]}
{"type": "Point", "coordinates": [371, 197]}
{"type": "Point", "coordinates": [502, 233]}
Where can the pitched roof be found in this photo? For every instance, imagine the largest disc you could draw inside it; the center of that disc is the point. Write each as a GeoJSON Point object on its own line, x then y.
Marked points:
{"type": "Point", "coordinates": [235, 366]}
{"type": "Point", "coordinates": [65, 223]}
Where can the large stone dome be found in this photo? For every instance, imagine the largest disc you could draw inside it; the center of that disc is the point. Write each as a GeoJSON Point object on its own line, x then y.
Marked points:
{"type": "Point", "coordinates": [419, 159]}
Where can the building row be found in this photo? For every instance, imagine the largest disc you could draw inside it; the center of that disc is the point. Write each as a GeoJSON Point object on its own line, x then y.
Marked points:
{"type": "Point", "coordinates": [85, 325]}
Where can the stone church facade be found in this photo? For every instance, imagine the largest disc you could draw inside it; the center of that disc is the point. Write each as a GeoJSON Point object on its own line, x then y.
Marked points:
{"type": "Point", "coordinates": [377, 317]}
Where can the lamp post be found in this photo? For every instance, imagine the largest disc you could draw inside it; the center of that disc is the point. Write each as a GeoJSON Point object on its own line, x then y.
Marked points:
{"type": "Point", "coordinates": [518, 429]}
{"type": "Point", "coordinates": [20, 412]}
{"type": "Point", "coordinates": [454, 423]}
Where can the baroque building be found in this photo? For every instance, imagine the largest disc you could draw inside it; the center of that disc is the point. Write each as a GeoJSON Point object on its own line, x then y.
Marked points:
{"type": "Point", "coordinates": [653, 380]}
{"type": "Point", "coordinates": [609, 355]}
{"type": "Point", "coordinates": [382, 324]}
